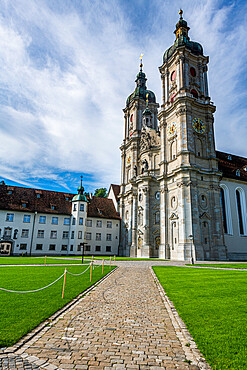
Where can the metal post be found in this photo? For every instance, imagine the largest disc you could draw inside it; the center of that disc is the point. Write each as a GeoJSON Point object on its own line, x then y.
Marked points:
{"type": "Point", "coordinates": [191, 249]}
{"type": "Point", "coordinates": [82, 251]}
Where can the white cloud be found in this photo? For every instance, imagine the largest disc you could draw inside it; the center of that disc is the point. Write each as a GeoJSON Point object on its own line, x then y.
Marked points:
{"type": "Point", "coordinates": [66, 74]}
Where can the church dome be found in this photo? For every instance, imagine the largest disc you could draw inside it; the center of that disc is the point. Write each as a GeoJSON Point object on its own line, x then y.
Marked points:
{"type": "Point", "coordinates": [182, 39]}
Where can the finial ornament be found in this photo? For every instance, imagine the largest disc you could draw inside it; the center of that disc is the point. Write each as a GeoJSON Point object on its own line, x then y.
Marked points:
{"type": "Point", "coordinates": [181, 13]}
{"type": "Point", "coordinates": [81, 179]}
{"type": "Point", "coordinates": [147, 98]}
{"type": "Point", "coordinates": [141, 65]}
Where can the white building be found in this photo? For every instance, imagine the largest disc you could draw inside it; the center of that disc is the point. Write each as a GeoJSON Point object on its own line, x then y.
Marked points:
{"type": "Point", "coordinates": [43, 222]}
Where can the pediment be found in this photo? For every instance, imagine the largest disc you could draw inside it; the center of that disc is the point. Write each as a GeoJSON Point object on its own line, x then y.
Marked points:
{"type": "Point", "coordinates": [204, 216]}
{"type": "Point", "coordinates": [156, 232]}
{"type": "Point", "coordinates": [156, 207]}
{"type": "Point", "coordinates": [139, 232]}
{"type": "Point", "coordinates": [173, 216]}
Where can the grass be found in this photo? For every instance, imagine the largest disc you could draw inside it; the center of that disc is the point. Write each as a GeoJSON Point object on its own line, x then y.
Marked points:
{"type": "Point", "coordinates": [20, 313]}
{"type": "Point", "coordinates": [212, 303]}
{"type": "Point", "coordinates": [223, 265]}
{"type": "Point", "coordinates": [63, 260]}
{"type": "Point", "coordinates": [38, 260]}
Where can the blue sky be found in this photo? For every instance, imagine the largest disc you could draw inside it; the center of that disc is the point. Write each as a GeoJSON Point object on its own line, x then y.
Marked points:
{"type": "Point", "coordinates": [67, 68]}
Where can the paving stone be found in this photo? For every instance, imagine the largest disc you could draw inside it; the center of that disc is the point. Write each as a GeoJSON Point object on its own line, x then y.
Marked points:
{"type": "Point", "coordinates": [123, 323]}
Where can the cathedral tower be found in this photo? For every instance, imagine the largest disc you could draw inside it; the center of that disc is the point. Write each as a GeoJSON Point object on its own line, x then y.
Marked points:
{"type": "Point", "coordinates": [191, 222]}
{"type": "Point", "coordinates": [170, 194]}
{"type": "Point", "coordinates": [140, 158]}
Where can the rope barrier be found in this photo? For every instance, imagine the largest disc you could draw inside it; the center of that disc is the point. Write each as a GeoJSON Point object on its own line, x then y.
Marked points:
{"type": "Point", "coordinates": [32, 291]}
{"type": "Point", "coordinates": [90, 266]}
{"type": "Point", "coordinates": [81, 273]}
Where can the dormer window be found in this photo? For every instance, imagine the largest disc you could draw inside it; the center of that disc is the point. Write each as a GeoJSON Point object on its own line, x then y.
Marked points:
{"type": "Point", "coordinates": [245, 168]}
{"type": "Point", "coordinates": [53, 206]}
{"type": "Point", "coordinates": [10, 190]}
{"type": "Point", "coordinates": [229, 157]}
{"type": "Point", "coordinates": [38, 195]}
{"type": "Point", "coordinates": [237, 172]}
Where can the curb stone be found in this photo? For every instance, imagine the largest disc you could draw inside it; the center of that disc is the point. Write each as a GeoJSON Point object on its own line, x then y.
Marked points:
{"type": "Point", "coordinates": [192, 352]}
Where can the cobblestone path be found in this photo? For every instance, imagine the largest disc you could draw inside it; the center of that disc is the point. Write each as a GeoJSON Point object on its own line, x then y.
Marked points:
{"type": "Point", "coordinates": [122, 323]}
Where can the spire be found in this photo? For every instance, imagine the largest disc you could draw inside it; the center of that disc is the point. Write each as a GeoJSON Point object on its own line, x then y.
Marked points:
{"type": "Point", "coordinates": [181, 27]}
{"type": "Point", "coordinates": [80, 189]}
{"type": "Point", "coordinates": [80, 196]}
{"type": "Point", "coordinates": [141, 77]}
{"type": "Point", "coordinates": [141, 65]}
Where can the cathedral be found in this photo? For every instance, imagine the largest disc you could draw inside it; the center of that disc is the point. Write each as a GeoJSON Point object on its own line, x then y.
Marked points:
{"type": "Point", "coordinates": [180, 199]}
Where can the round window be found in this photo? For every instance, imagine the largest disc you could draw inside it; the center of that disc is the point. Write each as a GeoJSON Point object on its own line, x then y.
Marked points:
{"type": "Point", "coordinates": [157, 195]}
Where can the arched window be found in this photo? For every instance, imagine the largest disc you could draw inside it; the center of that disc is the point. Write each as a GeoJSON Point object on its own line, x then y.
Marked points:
{"type": "Point", "coordinates": [241, 210]}
{"type": "Point", "coordinates": [199, 148]}
{"type": "Point", "coordinates": [173, 150]}
{"type": "Point", "coordinates": [223, 206]}
{"type": "Point", "coordinates": [192, 71]}
{"type": "Point", "coordinates": [226, 209]}
{"type": "Point", "coordinates": [157, 217]}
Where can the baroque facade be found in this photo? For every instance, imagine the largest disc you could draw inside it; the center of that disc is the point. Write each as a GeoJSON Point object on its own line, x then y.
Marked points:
{"type": "Point", "coordinates": [174, 200]}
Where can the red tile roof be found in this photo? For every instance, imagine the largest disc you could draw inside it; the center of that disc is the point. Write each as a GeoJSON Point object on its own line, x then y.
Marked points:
{"type": "Point", "coordinates": [102, 208]}
{"type": "Point", "coordinates": [46, 201]}
{"type": "Point", "coordinates": [116, 190]}
{"type": "Point", "coordinates": [230, 163]}
{"type": "Point", "coordinates": [13, 198]}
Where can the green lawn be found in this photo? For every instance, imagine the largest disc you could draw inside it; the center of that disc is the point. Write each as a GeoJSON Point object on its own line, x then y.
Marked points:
{"type": "Point", "coordinates": [20, 313]}
{"type": "Point", "coordinates": [213, 305]}
{"type": "Point", "coordinates": [63, 260]}
{"type": "Point", "coordinates": [38, 260]}
{"type": "Point", "coordinates": [223, 265]}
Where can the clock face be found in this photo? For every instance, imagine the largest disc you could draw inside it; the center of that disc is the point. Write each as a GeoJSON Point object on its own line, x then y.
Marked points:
{"type": "Point", "coordinates": [198, 125]}
{"type": "Point", "coordinates": [172, 129]}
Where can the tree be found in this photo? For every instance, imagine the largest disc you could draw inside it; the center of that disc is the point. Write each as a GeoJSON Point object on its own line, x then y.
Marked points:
{"type": "Point", "coordinates": [101, 192]}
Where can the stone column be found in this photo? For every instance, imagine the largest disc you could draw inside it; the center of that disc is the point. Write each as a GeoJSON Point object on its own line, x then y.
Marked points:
{"type": "Point", "coordinates": [146, 246]}
{"type": "Point", "coordinates": [162, 248]}
{"type": "Point", "coordinates": [181, 73]}
{"type": "Point", "coordinates": [167, 85]}
{"type": "Point", "coordinates": [178, 77]}
{"type": "Point", "coordinates": [201, 79]}
{"type": "Point", "coordinates": [163, 88]}
{"type": "Point", "coordinates": [133, 249]}
{"type": "Point", "coordinates": [205, 76]}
